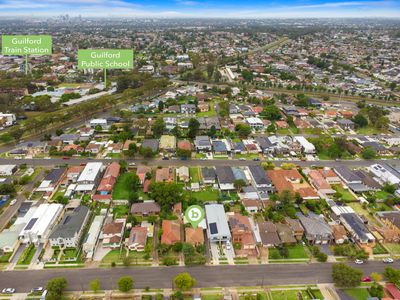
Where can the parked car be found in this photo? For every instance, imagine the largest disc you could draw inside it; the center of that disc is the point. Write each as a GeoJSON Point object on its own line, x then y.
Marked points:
{"type": "Point", "coordinates": [8, 291]}
{"type": "Point", "coordinates": [256, 159]}
{"type": "Point", "coordinates": [242, 158]}
{"type": "Point", "coordinates": [388, 260]}
{"type": "Point", "coordinates": [358, 261]}
{"type": "Point", "coordinates": [228, 245]}
{"type": "Point", "coordinates": [366, 279]}
{"type": "Point", "coordinates": [13, 202]}
{"type": "Point", "coordinates": [38, 289]}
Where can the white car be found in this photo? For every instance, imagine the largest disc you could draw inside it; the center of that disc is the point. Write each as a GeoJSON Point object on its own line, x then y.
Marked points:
{"type": "Point", "coordinates": [39, 289]}
{"type": "Point", "coordinates": [358, 261]}
{"type": "Point", "coordinates": [228, 245]}
{"type": "Point", "coordinates": [13, 202]}
{"type": "Point", "coordinates": [388, 260]}
{"type": "Point", "coordinates": [8, 291]}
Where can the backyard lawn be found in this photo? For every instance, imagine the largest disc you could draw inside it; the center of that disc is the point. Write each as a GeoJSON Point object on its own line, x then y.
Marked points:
{"type": "Point", "coordinates": [346, 195]}
{"type": "Point", "coordinates": [357, 294]}
{"type": "Point", "coordinates": [121, 190]}
{"type": "Point", "coordinates": [381, 195]}
{"type": "Point", "coordinates": [120, 211]}
{"type": "Point", "coordinates": [361, 211]}
{"type": "Point", "coordinates": [206, 195]}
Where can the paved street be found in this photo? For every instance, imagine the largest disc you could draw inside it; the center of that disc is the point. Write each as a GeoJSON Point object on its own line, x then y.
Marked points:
{"type": "Point", "coordinates": [206, 276]}
{"type": "Point", "coordinates": [197, 162]}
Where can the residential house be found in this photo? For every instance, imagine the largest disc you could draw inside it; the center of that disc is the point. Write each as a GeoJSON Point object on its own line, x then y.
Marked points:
{"type": "Point", "coordinates": [194, 236]}
{"type": "Point", "coordinates": [137, 239]}
{"type": "Point", "coordinates": [285, 234]}
{"type": "Point", "coordinates": [295, 226]}
{"type": "Point", "coordinates": [165, 174]}
{"type": "Point", "coordinates": [109, 179]}
{"type": "Point", "coordinates": [252, 206]}
{"type": "Point", "coordinates": [89, 177]}
{"type": "Point", "coordinates": [208, 175]}
{"type": "Point", "coordinates": [91, 240]}
{"type": "Point", "coordinates": [113, 233]}
{"type": "Point", "coordinates": [353, 223]}
{"type": "Point", "coordinates": [319, 182]}
{"type": "Point", "coordinates": [152, 144]}
{"type": "Point", "coordinates": [346, 124]}
{"type": "Point", "coordinates": [52, 180]}
{"type": "Point", "coordinates": [183, 173]}
{"type": "Point", "coordinates": [188, 109]}
{"type": "Point", "coordinates": [68, 233]}
{"type": "Point", "coordinates": [339, 233]}
{"type": "Point", "coordinates": [317, 231]}
{"type": "Point", "coordinates": [171, 232]}
{"type": "Point", "coordinates": [144, 209]}
{"type": "Point", "coordinates": [242, 234]}
{"type": "Point", "coordinates": [203, 143]}
{"type": "Point", "coordinates": [141, 172]}
{"type": "Point", "coordinates": [269, 234]}
{"type": "Point", "coordinates": [217, 224]}
{"type": "Point", "coordinates": [225, 178]}
{"type": "Point", "coordinates": [291, 180]}
{"type": "Point", "coordinates": [168, 143]}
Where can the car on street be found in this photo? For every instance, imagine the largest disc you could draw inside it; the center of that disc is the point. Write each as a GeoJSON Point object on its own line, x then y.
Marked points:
{"type": "Point", "coordinates": [388, 260]}
{"type": "Point", "coordinates": [13, 202]}
{"type": "Point", "coordinates": [358, 261]}
{"type": "Point", "coordinates": [38, 289]}
{"type": "Point", "coordinates": [8, 291]}
{"type": "Point", "coordinates": [366, 279]}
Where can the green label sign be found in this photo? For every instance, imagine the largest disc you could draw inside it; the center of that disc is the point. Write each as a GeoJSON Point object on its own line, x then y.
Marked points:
{"type": "Point", "coordinates": [194, 215]}
{"type": "Point", "coordinates": [105, 59]}
{"type": "Point", "coordinates": [26, 44]}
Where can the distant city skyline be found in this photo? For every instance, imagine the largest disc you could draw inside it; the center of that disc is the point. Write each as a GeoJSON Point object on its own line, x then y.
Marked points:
{"type": "Point", "coordinates": [204, 8]}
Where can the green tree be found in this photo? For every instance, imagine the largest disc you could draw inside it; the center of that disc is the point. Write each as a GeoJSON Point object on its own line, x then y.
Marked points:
{"type": "Point", "coordinates": [125, 284]}
{"type": "Point", "coordinates": [271, 112]}
{"type": "Point", "coordinates": [239, 184]}
{"type": "Point", "coordinates": [193, 127]}
{"type": "Point", "coordinates": [158, 127]}
{"type": "Point", "coordinates": [184, 281]}
{"type": "Point", "coordinates": [346, 276]}
{"type": "Point", "coordinates": [360, 120]}
{"type": "Point", "coordinates": [368, 153]}
{"type": "Point", "coordinates": [95, 285]}
{"type": "Point", "coordinates": [55, 288]}
{"type": "Point", "coordinates": [392, 275]}
{"type": "Point", "coordinates": [166, 194]}
{"type": "Point", "coordinates": [243, 130]}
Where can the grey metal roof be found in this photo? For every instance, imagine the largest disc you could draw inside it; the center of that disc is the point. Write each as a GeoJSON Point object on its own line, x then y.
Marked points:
{"type": "Point", "coordinates": [224, 174]}
{"type": "Point", "coordinates": [208, 173]}
{"type": "Point", "coordinates": [71, 223]}
{"type": "Point", "coordinates": [259, 175]}
{"type": "Point", "coordinates": [347, 174]}
{"type": "Point", "coordinates": [151, 143]}
{"type": "Point", "coordinates": [55, 174]}
{"type": "Point", "coordinates": [356, 224]}
{"type": "Point", "coordinates": [219, 146]}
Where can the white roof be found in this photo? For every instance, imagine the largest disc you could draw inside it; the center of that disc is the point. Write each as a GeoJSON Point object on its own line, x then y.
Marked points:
{"type": "Point", "coordinates": [303, 142]}
{"type": "Point", "coordinates": [7, 169]}
{"type": "Point", "coordinates": [45, 215]}
{"type": "Point", "coordinates": [84, 187]}
{"type": "Point", "coordinates": [216, 214]}
{"type": "Point", "coordinates": [90, 171]}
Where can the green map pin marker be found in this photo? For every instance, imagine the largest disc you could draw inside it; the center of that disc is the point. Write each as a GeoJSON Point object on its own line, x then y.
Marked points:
{"type": "Point", "coordinates": [194, 214]}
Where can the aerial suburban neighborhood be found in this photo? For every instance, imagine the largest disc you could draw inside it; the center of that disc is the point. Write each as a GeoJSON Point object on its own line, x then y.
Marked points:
{"type": "Point", "coordinates": [283, 135]}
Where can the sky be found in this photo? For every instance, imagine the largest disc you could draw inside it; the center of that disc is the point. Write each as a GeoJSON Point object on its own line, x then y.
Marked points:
{"type": "Point", "coordinates": [204, 8]}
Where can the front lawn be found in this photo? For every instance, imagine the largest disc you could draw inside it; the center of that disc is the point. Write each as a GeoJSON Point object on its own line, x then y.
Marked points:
{"type": "Point", "coordinates": [294, 252]}
{"type": "Point", "coordinates": [194, 174]}
{"type": "Point", "coordinates": [393, 248]}
{"type": "Point", "coordinates": [27, 255]}
{"type": "Point", "coordinates": [357, 294]}
{"type": "Point", "coordinates": [288, 295]}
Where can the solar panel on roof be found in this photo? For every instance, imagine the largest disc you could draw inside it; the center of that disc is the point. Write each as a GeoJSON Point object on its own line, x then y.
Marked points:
{"type": "Point", "coordinates": [31, 223]}
{"type": "Point", "coordinates": [213, 228]}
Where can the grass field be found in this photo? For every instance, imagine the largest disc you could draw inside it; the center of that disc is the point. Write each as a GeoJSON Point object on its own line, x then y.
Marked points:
{"type": "Point", "coordinates": [206, 195]}
{"type": "Point", "coordinates": [194, 173]}
{"type": "Point", "coordinates": [357, 294]}
{"type": "Point", "coordinates": [120, 211]}
{"type": "Point", "coordinates": [346, 195]}
{"type": "Point", "coordinates": [288, 295]}
{"type": "Point", "coordinates": [212, 297]}
{"type": "Point", "coordinates": [393, 248]}
{"type": "Point", "coordinates": [295, 252]}
{"type": "Point", "coordinates": [121, 191]}
{"type": "Point", "coordinates": [26, 256]}
{"type": "Point", "coordinates": [361, 211]}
